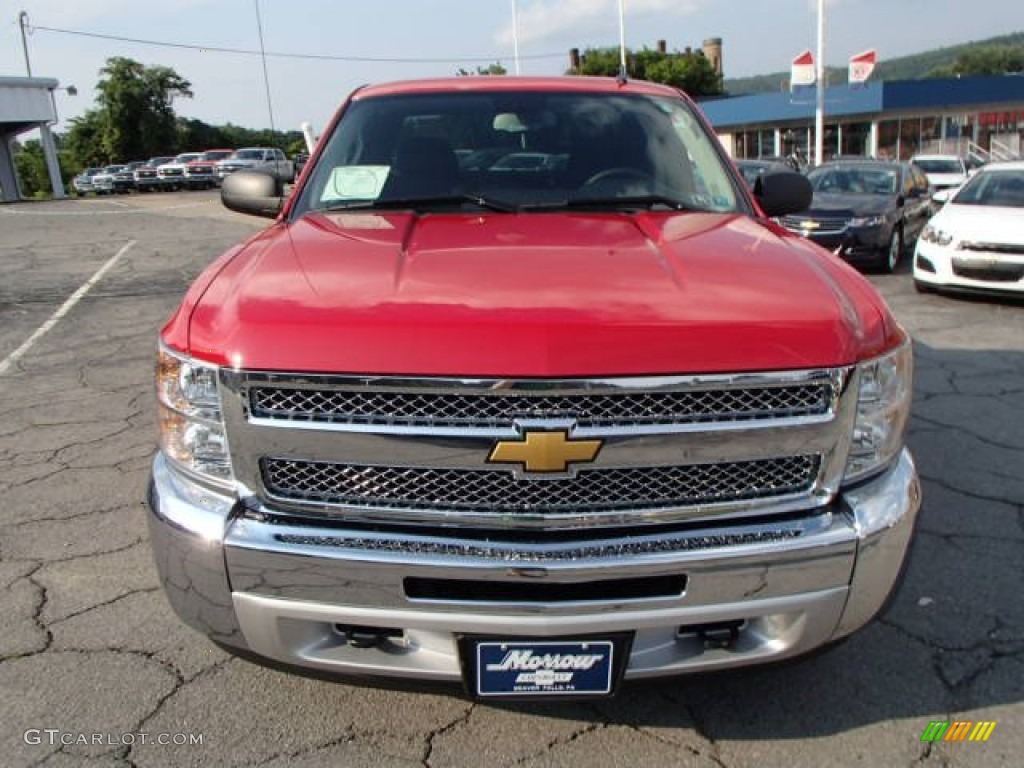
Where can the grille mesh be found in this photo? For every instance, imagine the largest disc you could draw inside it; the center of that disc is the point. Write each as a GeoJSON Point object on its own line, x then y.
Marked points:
{"type": "Point", "coordinates": [501, 492]}
{"type": "Point", "coordinates": [371, 406]}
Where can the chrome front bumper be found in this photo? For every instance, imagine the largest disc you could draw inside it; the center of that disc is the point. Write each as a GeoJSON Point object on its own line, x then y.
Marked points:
{"type": "Point", "coordinates": [282, 591]}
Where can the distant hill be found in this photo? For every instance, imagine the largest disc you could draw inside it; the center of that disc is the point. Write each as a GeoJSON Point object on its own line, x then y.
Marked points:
{"type": "Point", "coordinates": [911, 67]}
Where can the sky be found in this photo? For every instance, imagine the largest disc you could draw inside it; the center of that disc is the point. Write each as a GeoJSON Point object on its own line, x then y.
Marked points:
{"type": "Point", "coordinates": [759, 36]}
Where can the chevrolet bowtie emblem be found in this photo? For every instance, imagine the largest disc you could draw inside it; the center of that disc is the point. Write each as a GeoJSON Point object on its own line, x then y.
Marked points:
{"type": "Point", "coordinates": [809, 224]}
{"type": "Point", "coordinates": [544, 451]}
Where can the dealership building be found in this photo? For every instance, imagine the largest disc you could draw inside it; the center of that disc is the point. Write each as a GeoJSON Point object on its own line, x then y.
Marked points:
{"type": "Point", "coordinates": [975, 117]}
{"type": "Point", "coordinates": [26, 104]}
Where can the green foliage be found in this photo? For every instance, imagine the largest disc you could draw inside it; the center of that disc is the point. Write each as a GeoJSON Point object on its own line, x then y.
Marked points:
{"type": "Point", "coordinates": [31, 166]}
{"type": "Point", "coordinates": [135, 107]}
{"type": "Point", "coordinates": [691, 71]}
{"type": "Point", "coordinates": [30, 163]}
{"type": "Point", "coordinates": [984, 60]}
{"type": "Point", "coordinates": [235, 136]}
{"type": "Point", "coordinates": [83, 140]}
{"type": "Point", "coordinates": [491, 69]}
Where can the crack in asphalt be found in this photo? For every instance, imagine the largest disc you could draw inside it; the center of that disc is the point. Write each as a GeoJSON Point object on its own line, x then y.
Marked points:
{"type": "Point", "coordinates": [946, 485]}
{"type": "Point", "coordinates": [428, 746]}
{"type": "Point", "coordinates": [348, 737]}
{"type": "Point", "coordinates": [971, 433]}
{"type": "Point", "coordinates": [561, 742]}
{"type": "Point", "coordinates": [103, 604]}
{"type": "Point", "coordinates": [141, 539]}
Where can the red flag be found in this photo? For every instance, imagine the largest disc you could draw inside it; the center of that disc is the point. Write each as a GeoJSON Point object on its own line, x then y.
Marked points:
{"type": "Point", "coordinates": [862, 65]}
{"type": "Point", "coordinates": [802, 72]}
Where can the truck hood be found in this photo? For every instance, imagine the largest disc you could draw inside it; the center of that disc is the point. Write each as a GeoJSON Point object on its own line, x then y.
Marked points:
{"type": "Point", "coordinates": [532, 294]}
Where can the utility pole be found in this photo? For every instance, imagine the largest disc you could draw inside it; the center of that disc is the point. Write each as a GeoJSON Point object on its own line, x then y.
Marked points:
{"type": "Point", "coordinates": [23, 22]}
{"type": "Point", "coordinates": [819, 111]}
{"type": "Point", "coordinates": [263, 56]}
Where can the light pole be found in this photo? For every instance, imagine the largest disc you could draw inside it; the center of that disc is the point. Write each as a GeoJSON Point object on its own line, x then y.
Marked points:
{"type": "Point", "coordinates": [23, 23]}
{"type": "Point", "coordinates": [515, 34]}
{"type": "Point", "coordinates": [819, 110]}
{"type": "Point", "coordinates": [622, 39]}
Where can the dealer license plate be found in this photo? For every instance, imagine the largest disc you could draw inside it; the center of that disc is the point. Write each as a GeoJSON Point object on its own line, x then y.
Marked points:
{"type": "Point", "coordinates": [544, 668]}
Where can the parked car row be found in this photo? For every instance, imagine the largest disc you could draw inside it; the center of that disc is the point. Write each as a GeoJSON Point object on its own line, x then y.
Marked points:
{"type": "Point", "coordinates": [188, 170]}
{"type": "Point", "coordinates": [964, 226]}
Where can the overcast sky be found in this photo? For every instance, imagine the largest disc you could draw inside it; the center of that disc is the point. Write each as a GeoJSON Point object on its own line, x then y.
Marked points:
{"type": "Point", "coordinates": [759, 36]}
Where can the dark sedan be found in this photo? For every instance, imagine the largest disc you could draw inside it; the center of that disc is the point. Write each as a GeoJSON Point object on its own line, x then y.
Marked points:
{"type": "Point", "coordinates": [751, 170]}
{"type": "Point", "coordinates": [868, 212]}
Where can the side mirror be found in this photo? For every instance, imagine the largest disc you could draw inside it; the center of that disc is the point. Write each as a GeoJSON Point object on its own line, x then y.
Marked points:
{"type": "Point", "coordinates": [782, 192]}
{"type": "Point", "coordinates": [253, 192]}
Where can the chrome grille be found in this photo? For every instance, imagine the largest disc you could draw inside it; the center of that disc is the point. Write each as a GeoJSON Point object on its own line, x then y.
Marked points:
{"type": "Point", "coordinates": [819, 225]}
{"type": "Point", "coordinates": [376, 406]}
{"type": "Point", "coordinates": [502, 492]}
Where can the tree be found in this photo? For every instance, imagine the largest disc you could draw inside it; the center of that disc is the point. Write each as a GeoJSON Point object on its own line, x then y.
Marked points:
{"type": "Point", "coordinates": [691, 71]}
{"type": "Point", "coordinates": [491, 69]}
{"type": "Point", "coordinates": [83, 140]}
{"type": "Point", "coordinates": [31, 165]}
{"type": "Point", "coordinates": [983, 60]}
{"type": "Point", "coordinates": [33, 174]}
{"type": "Point", "coordinates": [134, 117]}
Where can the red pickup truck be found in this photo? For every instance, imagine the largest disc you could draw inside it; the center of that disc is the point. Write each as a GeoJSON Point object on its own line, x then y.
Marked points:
{"type": "Point", "coordinates": [523, 390]}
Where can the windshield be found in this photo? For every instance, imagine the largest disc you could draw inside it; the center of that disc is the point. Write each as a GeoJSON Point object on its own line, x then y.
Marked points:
{"type": "Point", "coordinates": [216, 155]}
{"type": "Point", "coordinates": [517, 150]}
{"type": "Point", "coordinates": [939, 165]}
{"type": "Point", "coordinates": [996, 188]}
{"type": "Point", "coordinates": [186, 158]}
{"type": "Point", "coordinates": [249, 154]}
{"type": "Point", "coordinates": [847, 180]}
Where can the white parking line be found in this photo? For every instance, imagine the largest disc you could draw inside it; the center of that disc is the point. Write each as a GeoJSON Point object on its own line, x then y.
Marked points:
{"type": "Point", "coordinates": [9, 361]}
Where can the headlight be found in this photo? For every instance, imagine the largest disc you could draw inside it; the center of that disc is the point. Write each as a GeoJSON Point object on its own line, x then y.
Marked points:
{"type": "Point", "coordinates": [192, 431]}
{"type": "Point", "coordinates": [867, 221]}
{"type": "Point", "coordinates": [883, 407]}
{"type": "Point", "coordinates": [932, 234]}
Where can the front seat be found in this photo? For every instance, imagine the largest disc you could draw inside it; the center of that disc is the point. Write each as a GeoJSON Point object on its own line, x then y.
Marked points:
{"type": "Point", "coordinates": [423, 166]}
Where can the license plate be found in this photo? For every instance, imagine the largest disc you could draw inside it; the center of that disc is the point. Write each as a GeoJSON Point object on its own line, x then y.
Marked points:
{"type": "Point", "coordinates": [545, 668]}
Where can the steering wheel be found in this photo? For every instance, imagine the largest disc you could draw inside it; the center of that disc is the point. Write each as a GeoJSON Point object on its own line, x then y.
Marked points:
{"type": "Point", "coordinates": [623, 173]}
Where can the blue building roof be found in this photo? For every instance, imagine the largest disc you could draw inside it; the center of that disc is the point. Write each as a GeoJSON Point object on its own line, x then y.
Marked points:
{"type": "Point", "coordinates": [873, 98]}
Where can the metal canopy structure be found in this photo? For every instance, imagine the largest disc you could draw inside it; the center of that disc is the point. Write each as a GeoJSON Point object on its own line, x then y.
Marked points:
{"type": "Point", "coordinates": [27, 103]}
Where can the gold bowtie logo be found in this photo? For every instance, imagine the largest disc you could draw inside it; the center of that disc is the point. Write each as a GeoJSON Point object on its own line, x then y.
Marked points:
{"type": "Point", "coordinates": [544, 451]}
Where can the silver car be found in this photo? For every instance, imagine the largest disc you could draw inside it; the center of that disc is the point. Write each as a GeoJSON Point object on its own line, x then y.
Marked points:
{"type": "Point", "coordinates": [268, 160]}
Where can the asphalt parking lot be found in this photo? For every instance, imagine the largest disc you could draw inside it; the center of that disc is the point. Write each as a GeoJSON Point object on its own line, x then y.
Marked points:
{"type": "Point", "coordinates": [89, 646]}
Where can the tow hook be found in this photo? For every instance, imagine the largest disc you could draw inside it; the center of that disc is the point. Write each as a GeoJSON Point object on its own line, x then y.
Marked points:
{"type": "Point", "coordinates": [719, 636]}
{"type": "Point", "coordinates": [366, 637]}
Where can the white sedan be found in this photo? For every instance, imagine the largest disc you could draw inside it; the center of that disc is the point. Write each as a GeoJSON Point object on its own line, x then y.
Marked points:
{"type": "Point", "coordinates": [976, 242]}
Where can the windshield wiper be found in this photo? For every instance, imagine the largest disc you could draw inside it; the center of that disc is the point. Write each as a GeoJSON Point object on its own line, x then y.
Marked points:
{"type": "Point", "coordinates": [425, 202]}
{"type": "Point", "coordinates": [621, 201]}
